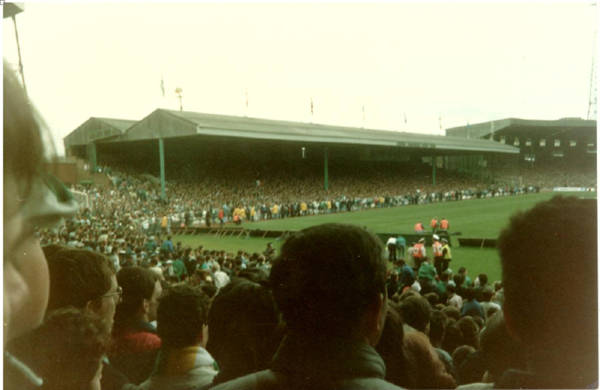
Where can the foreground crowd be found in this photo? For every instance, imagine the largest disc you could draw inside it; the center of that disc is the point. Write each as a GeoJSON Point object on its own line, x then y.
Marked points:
{"type": "Point", "coordinates": [325, 312]}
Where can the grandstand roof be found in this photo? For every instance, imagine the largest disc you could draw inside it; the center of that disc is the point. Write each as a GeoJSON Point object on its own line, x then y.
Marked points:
{"type": "Point", "coordinates": [516, 126]}
{"type": "Point", "coordinates": [164, 123]}
{"type": "Point", "coordinates": [97, 129]}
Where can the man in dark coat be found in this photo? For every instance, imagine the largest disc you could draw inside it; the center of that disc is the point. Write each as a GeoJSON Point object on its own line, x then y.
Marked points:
{"type": "Point", "coordinates": [329, 284]}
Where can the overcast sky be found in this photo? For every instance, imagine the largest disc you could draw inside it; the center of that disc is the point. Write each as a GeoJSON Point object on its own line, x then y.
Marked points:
{"type": "Point", "coordinates": [461, 62]}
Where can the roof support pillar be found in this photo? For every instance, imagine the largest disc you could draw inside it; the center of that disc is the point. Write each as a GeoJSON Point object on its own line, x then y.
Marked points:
{"type": "Point", "coordinates": [433, 167]}
{"type": "Point", "coordinates": [325, 170]}
{"type": "Point", "coordinates": [91, 155]}
{"type": "Point", "coordinates": [161, 155]}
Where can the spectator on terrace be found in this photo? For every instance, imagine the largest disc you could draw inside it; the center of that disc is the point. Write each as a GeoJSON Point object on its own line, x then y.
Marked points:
{"type": "Point", "coordinates": [391, 349]}
{"type": "Point", "coordinates": [220, 277]}
{"type": "Point", "coordinates": [332, 322]}
{"type": "Point", "coordinates": [415, 311]}
{"type": "Point", "coordinates": [486, 302]}
{"type": "Point", "coordinates": [465, 277]}
{"type": "Point", "coordinates": [136, 343]}
{"type": "Point", "coordinates": [86, 280]}
{"type": "Point", "coordinates": [167, 246]}
{"type": "Point", "coordinates": [247, 344]}
{"type": "Point", "coordinates": [425, 366]}
{"type": "Point", "coordinates": [560, 332]}
{"type": "Point", "coordinates": [454, 299]}
{"type": "Point", "coordinates": [437, 330]}
{"type": "Point", "coordinates": [406, 273]}
{"type": "Point", "coordinates": [481, 281]}
{"type": "Point", "coordinates": [471, 307]}
{"type": "Point", "coordinates": [426, 275]}
{"type": "Point", "coordinates": [182, 362]}
{"type": "Point", "coordinates": [67, 350]}
{"type": "Point", "coordinates": [31, 200]}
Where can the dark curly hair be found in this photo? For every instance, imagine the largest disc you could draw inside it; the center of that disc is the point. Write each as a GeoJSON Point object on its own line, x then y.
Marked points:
{"type": "Point", "coordinates": [68, 348]}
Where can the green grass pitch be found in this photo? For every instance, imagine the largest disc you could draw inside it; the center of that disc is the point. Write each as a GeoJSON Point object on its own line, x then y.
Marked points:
{"type": "Point", "coordinates": [475, 218]}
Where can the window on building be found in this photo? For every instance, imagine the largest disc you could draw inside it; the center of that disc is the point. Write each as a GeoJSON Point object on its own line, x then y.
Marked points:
{"type": "Point", "coordinates": [543, 142]}
{"type": "Point", "coordinates": [558, 154]}
{"type": "Point", "coordinates": [528, 142]}
{"type": "Point", "coordinates": [556, 143]}
{"type": "Point", "coordinates": [572, 143]}
{"type": "Point", "coordinates": [502, 139]}
{"type": "Point", "coordinates": [516, 142]}
{"type": "Point", "coordinates": [529, 157]}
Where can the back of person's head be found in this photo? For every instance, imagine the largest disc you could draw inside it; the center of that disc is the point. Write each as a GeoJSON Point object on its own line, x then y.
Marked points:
{"type": "Point", "coordinates": [460, 354]}
{"type": "Point", "coordinates": [500, 350]}
{"type": "Point", "coordinates": [458, 279]}
{"type": "Point", "coordinates": [556, 238]}
{"type": "Point", "coordinates": [432, 297]}
{"type": "Point", "coordinates": [437, 327]}
{"type": "Point", "coordinates": [254, 274]}
{"type": "Point", "coordinates": [424, 363]}
{"type": "Point", "coordinates": [445, 276]}
{"type": "Point", "coordinates": [182, 313]}
{"type": "Point", "coordinates": [452, 312]}
{"type": "Point", "coordinates": [77, 276]}
{"type": "Point", "coordinates": [483, 279]}
{"type": "Point", "coordinates": [487, 293]}
{"type": "Point", "coordinates": [138, 284]}
{"type": "Point", "coordinates": [469, 293]}
{"type": "Point", "coordinates": [50, 249]}
{"type": "Point", "coordinates": [453, 337]}
{"type": "Point", "coordinates": [469, 330]}
{"type": "Point", "coordinates": [391, 350]}
{"type": "Point", "coordinates": [416, 312]}
{"type": "Point", "coordinates": [244, 328]}
{"type": "Point", "coordinates": [67, 349]}
{"type": "Point", "coordinates": [327, 277]}
{"type": "Point", "coordinates": [450, 289]}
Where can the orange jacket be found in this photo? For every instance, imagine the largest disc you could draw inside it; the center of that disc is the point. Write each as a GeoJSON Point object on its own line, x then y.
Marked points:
{"type": "Point", "coordinates": [418, 251]}
{"type": "Point", "coordinates": [444, 224]}
{"type": "Point", "coordinates": [419, 227]}
{"type": "Point", "coordinates": [437, 249]}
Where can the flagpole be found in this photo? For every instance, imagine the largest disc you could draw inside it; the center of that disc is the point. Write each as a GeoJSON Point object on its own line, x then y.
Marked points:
{"type": "Point", "coordinates": [363, 115]}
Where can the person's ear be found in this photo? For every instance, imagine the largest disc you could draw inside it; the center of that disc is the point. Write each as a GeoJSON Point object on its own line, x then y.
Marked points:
{"type": "Point", "coordinates": [146, 305]}
{"type": "Point", "coordinates": [203, 336]}
{"type": "Point", "coordinates": [376, 313]}
{"type": "Point", "coordinates": [92, 306]}
{"type": "Point", "coordinates": [509, 322]}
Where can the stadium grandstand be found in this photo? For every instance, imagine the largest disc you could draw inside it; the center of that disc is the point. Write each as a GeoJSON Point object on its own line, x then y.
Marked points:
{"type": "Point", "coordinates": [552, 153]}
{"type": "Point", "coordinates": [194, 143]}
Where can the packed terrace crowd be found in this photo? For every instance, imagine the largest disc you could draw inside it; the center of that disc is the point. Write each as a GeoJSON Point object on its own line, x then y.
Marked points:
{"type": "Point", "coordinates": [135, 199]}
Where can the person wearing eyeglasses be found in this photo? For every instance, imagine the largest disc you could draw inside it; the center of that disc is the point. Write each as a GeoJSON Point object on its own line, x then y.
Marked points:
{"type": "Point", "coordinates": [32, 199]}
{"type": "Point", "coordinates": [86, 280]}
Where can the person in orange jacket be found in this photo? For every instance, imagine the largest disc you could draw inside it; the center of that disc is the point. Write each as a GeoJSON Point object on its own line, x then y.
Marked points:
{"type": "Point", "coordinates": [434, 224]}
{"type": "Point", "coordinates": [444, 224]}
{"type": "Point", "coordinates": [419, 228]}
{"type": "Point", "coordinates": [438, 255]}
